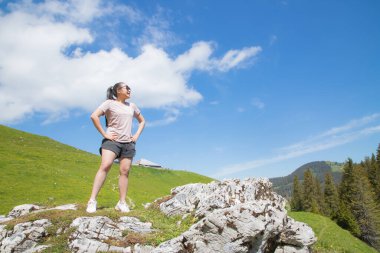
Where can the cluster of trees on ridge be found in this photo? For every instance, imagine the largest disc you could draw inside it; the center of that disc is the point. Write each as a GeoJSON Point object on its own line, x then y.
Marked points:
{"type": "Point", "coordinates": [354, 204]}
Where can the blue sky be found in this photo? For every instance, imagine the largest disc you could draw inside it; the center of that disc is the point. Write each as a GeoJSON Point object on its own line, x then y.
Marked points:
{"type": "Point", "coordinates": [229, 89]}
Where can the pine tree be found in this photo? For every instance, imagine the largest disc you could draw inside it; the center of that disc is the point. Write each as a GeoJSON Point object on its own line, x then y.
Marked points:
{"type": "Point", "coordinates": [358, 201]}
{"type": "Point", "coordinates": [319, 197]}
{"type": "Point", "coordinates": [377, 168]}
{"type": "Point", "coordinates": [331, 197]}
{"type": "Point", "coordinates": [365, 209]}
{"type": "Point", "coordinates": [371, 169]}
{"type": "Point", "coordinates": [309, 202]}
{"type": "Point", "coordinates": [345, 192]}
{"type": "Point", "coordinates": [345, 218]}
{"type": "Point", "coordinates": [296, 201]}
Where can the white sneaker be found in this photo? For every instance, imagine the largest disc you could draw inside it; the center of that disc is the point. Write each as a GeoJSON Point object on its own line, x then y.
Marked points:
{"type": "Point", "coordinates": [122, 207]}
{"type": "Point", "coordinates": [91, 206]}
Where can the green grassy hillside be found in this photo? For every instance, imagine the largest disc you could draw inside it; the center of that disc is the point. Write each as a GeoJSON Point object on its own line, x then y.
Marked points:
{"type": "Point", "coordinates": [331, 238]}
{"type": "Point", "coordinates": [37, 169]}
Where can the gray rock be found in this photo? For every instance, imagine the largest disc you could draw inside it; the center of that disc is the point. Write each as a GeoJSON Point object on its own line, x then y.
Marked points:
{"type": "Point", "coordinates": [38, 248]}
{"type": "Point", "coordinates": [22, 210]}
{"type": "Point", "coordinates": [9, 244]}
{"type": "Point", "coordinates": [65, 207]}
{"type": "Point", "coordinates": [3, 218]}
{"type": "Point", "coordinates": [93, 232]}
{"type": "Point", "coordinates": [235, 216]}
{"type": "Point", "coordinates": [30, 208]}
{"type": "Point", "coordinates": [142, 248]}
{"type": "Point", "coordinates": [24, 236]}
{"type": "Point", "coordinates": [3, 232]}
{"type": "Point", "coordinates": [98, 227]}
{"type": "Point", "coordinates": [62, 208]}
{"type": "Point", "coordinates": [291, 249]}
{"type": "Point", "coordinates": [173, 246]}
{"type": "Point", "coordinates": [297, 233]}
{"type": "Point", "coordinates": [204, 198]}
{"type": "Point", "coordinates": [83, 245]}
{"type": "Point", "coordinates": [135, 225]}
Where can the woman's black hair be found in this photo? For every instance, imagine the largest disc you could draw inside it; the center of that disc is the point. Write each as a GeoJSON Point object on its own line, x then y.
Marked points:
{"type": "Point", "coordinates": [112, 93]}
{"type": "Point", "coordinates": [112, 90]}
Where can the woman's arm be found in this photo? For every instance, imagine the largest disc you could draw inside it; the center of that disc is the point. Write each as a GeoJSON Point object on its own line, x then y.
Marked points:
{"type": "Point", "coordinates": [95, 119]}
{"type": "Point", "coordinates": [141, 121]}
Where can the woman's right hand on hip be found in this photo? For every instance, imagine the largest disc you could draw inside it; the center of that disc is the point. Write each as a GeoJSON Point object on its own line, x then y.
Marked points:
{"type": "Point", "coordinates": [111, 136]}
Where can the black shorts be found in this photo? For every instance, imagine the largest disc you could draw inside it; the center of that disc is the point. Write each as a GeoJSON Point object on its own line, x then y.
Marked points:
{"type": "Point", "coordinates": [122, 150]}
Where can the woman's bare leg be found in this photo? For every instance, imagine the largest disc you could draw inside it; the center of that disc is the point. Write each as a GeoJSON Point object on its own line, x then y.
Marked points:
{"type": "Point", "coordinates": [107, 160]}
{"type": "Point", "coordinates": [125, 165]}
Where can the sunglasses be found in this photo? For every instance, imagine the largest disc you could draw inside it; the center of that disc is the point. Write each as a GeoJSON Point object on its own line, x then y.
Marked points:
{"type": "Point", "coordinates": [126, 87]}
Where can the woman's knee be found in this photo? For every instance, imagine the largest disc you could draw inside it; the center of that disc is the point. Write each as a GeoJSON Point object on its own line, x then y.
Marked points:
{"type": "Point", "coordinates": [105, 167]}
{"type": "Point", "coordinates": [124, 171]}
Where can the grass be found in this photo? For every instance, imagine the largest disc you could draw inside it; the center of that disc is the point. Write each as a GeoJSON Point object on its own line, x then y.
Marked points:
{"type": "Point", "coordinates": [331, 238]}
{"type": "Point", "coordinates": [39, 170]}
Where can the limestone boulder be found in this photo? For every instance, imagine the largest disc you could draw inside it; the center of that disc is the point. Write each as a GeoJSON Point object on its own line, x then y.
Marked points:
{"type": "Point", "coordinates": [24, 237]}
{"type": "Point", "coordinates": [235, 216]}
{"type": "Point", "coordinates": [22, 210]}
{"type": "Point", "coordinates": [93, 234]}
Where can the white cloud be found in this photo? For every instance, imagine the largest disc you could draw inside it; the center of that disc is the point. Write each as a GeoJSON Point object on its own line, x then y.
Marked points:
{"type": "Point", "coordinates": [198, 57]}
{"type": "Point", "coordinates": [235, 57]}
{"type": "Point", "coordinates": [170, 116]}
{"type": "Point", "coordinates": [334, 137]}
{"type": "Point", "coordinates": [75, 11]}
{"type": "Point", "coordinates": [37, 75]}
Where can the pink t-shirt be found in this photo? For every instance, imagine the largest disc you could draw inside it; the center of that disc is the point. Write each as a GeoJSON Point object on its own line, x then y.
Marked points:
{"type": "Point", "coordinates": [119, 117]}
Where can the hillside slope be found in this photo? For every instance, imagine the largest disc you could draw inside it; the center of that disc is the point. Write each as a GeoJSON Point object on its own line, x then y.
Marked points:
{"type": "Point", "coordinates": [331, 237]}
{"type": "Point", "coordinates": [37, 169]}
{"type": "Point", "coordinates": [283, 185]}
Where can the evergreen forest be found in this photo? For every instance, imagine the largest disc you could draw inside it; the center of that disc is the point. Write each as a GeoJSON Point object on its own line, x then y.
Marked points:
{"type": "Point", "coordinates": [354, 203]}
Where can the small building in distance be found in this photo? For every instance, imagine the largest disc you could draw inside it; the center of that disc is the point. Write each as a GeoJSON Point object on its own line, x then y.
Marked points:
{"type": "Point", "coordinates": [147, 163]}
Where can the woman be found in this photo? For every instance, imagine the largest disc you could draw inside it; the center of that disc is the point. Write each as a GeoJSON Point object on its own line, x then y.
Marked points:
{"type": "Point", "coordinates": [118, 140]}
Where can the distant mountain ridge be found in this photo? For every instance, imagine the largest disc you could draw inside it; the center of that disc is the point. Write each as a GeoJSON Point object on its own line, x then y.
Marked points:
{"type": "Point", "coordinates": [283, 185]}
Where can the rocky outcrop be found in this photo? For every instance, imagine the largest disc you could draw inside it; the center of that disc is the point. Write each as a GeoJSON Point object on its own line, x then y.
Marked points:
{"type": "Point", "coordinates": [92, 234]}
{"type": "Point", "coordinates": [24, 237]}
{"type": "Point", "coordinates": [25, 209]}
{"type": "Point", "coordinates": [233, 216]}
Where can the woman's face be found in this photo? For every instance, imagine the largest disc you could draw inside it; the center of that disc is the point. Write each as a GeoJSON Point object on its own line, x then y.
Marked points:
{"type": "Point", "coordinates": [124, 90]}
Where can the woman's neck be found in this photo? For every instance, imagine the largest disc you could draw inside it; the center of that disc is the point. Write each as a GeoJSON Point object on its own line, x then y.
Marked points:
{"type": "Point", "coordinates": [121, 100]}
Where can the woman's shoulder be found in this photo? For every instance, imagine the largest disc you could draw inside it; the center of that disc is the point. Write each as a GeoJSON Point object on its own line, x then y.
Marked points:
{"type": "Point", "coordinates": [133, 105]}
{"type": "Point", "coordinates": [110, 101]}
{"type": "Point", "coordinates": [106, 103]}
